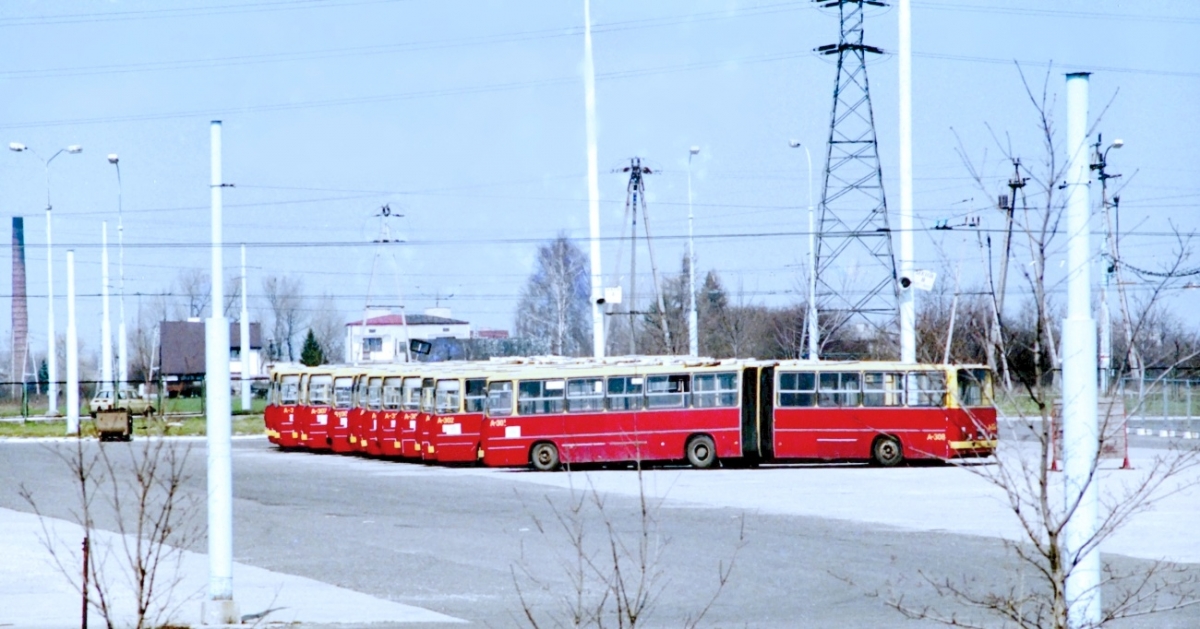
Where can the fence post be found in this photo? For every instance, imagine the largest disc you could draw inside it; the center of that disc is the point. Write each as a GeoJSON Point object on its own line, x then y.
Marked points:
{"type": "Point", "coordinates": [1165, 389]}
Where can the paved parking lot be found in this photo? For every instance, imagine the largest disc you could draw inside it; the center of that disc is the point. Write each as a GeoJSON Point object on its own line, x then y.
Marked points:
{"type": "Point", "coordinates": [821, 546]}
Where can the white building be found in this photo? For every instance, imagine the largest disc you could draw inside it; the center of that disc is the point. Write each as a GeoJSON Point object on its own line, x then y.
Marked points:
{"type": "Point", "coordinates": [384, 335]}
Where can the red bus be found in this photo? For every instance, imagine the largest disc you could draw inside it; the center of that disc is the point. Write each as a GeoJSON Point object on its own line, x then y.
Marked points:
{"type": "Point", "coordinates": [407, 406]}
{"type": "Point", "coordinates": [312, 413]}
{"type": "Point", "coordinates": [669, 411]}
{"type": "Point", "coordinates": [872, 411]}
{"type": "Point", "coordinates": [279, 414]}
{"type": "Point", "coordinates": [365, 416]}
{"type": "Point", "coordinates": [453, 428]}
{"type": "Point", "coordinates": [344, 383]}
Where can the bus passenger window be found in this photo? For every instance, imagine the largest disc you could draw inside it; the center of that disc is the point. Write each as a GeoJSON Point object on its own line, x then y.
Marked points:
{"type": "Point", "coordinates": [446, 396]}
{"type": "Point", "coordinates": [666, 391]}
{"type": "Point", "coordinates": [585, 395]}
{"type": "Point", "coordinates": [625, 393]}
{"type": "Point", "coordinates": [713, 390]}
{"type": "Point", "coordinates": [540, 397]}
{"type": "Point", "coordinates": [883, 389]}
{"type": "Point", "coordinates": [926, 388]}
{"type": "Point", "coordinates": [500, 399]}
{"type": "Point", "coordinates": [797, 389]}
{"type": "Point", "coordinates": [476, 395]}
{"type": "Point", "coordinates": [839, 389]}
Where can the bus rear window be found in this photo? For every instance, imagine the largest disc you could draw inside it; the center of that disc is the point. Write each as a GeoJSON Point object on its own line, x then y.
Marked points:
{"type": "Point", "coordinates": [391, 394]}
{"type": "Point", "coordinates": [289, 392]}
{"type": "Point", "coordinates": [319, 390]}
{"type": "Point", "coordinates": [447, 396]}
{"type": "Point", "coordinates": [411, 398]}
{"type": "Point", "coordinates": [375, 394]}
{"type": "Point", "coordinates": [343, 393]}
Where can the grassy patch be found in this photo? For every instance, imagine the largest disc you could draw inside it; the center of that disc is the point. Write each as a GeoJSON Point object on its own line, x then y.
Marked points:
{"type": "Point", "coordinates": [184, 426]}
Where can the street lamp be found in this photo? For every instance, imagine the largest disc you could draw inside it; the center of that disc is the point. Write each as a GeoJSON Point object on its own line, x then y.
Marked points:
{"type": "Point", "coordinates": [812, 259]}
{"type": "Point", "coordinates": [693, 318]}
{"type": "Point", "coordinates": [52, 356]}
{"type": "Point", "coordinates": [122, 342]}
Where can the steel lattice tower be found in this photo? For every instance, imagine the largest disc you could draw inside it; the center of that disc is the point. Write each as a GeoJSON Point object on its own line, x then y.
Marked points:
{"type": "Point", "coordinates": [856, 271]}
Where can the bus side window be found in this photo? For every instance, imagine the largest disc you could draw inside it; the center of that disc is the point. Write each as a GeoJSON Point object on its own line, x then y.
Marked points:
{"type": "Point", "coordinates": [797, 389]}
{"type": "Point", "coordinates": [540, 397]}
{"type": "Point", "coordinates": [926, 388]}
{"type": "Point", "coordinates": [883, 389]}
{"type": "Point", "coordinates": [625, 393]}
{"type": "Point", "coordinates": [840, 389]}
{"type": "Point", "coordinates": [476, 395]}
{"type": "Point", "coordinates": [500, 399]}
{"type": "Point", "coordinates": [712, 390]}
{"type": "Point", "coordinates": [446, 396]}
{"type": "Point", "coordinates": [666, 391]}
{"type": "Point", "coordinates": [585, 395]}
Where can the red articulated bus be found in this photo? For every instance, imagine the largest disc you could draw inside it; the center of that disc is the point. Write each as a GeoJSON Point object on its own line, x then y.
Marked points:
{"type": "Point", "coordinates": [748, 411]}
{"type": "Point", "coordinates": [643, 411]}
{"type": "Point", "coordinates": [344, 383]}
{"type": "Point", "coordinates": [313, 411]}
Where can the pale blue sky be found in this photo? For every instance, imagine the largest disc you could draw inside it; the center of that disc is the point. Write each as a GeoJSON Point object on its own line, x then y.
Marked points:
{"type": "Point", "coordinates": [467, 117]}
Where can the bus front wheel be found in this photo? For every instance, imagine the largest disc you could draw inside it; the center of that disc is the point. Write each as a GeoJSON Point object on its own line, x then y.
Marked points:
{"type": "Point", "coordinates": [886, 451]}
{"type": "Point", "coordinates": [544, 457]}
{"type": "Point", "coordinates": [701, 452]}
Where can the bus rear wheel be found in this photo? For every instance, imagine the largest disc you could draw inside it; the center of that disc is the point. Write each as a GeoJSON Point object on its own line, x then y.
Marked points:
{"type": "Point", "coordinates": [544, 457]}
{"type": "Point", "coordinates": [701, 452]}
{"type": "Point", "coordinates": [886, 451]}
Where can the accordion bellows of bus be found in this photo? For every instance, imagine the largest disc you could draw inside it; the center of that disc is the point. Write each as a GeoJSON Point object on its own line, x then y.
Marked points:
{"type": "Point", "coordinates": [547, 412]}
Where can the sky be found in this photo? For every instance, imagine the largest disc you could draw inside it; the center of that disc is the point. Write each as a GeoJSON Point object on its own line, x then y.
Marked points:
{"type": "Point", "coordinates": [466, 118]}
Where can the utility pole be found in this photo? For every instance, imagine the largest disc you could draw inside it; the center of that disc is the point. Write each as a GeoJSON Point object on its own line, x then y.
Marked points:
{"type": "Point", "coordinates": [106, 349]}
{"type": "Point", "coordinates": [1111, 261]}
{"type": "Point", "coordinates": [693, 317]}
{"type": "Point", "coordinates": [244, 338]}
{"type": "Point", "coordinates": [589, 100]}
{"type": "Point", "coordinates": [635, 195]}
{"type": "Point", "coordinates": [907, 296]}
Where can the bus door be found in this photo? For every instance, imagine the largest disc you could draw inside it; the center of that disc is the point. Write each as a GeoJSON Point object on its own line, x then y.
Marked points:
{"type": "Point", "coordinates": [750, 420]}
{"type": "Point", "coordinates": [766, 399]}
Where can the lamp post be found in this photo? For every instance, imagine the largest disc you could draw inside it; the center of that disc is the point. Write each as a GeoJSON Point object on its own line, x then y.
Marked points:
{"type": "Point", "coordinates": [813, 340]}
{"type": "Point", "coordinates": [122, 348]}
{"type": "Point", "coordinates": [1099, 162]}
{"type": "Point", "coordinates": [52, 356]}
{"type": "Point", "coordinates": [693, 318]}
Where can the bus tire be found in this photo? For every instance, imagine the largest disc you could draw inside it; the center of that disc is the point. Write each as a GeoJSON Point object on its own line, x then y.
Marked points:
{"type": "Point", "coordinates": [701, 452]}
{"type": "Point", "coordinates": [886, 451]}
{"type": "Point", "coordinates": [544, 457]}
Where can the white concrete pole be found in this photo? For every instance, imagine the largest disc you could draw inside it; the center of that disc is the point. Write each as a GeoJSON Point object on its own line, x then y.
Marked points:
{"type": "Point", "coordinates": [72, 351]}
{"type": "Point", "coordinates": [1081, 440]}
{"type": "Point", "coordinates": [908, 333]}
{"type": "Point", "coordinates": [220, 607]}
{"type": "Point", "coordinates": [589, 103]}
{"type": "Point", "coordinates": [244, 333]}
{"type": "Point", "coordinates": [693, 316]}
{"type": "Point", "coordinates": [52, 356]}
{"type": "Point", "coordinates": [1105, 328]}
{"type": "Point", "coordinates": [814, 341]}
{"type": "Point", "coordinates": [122, 335]}
{"type": "Point", "coordinates": [106, 348]}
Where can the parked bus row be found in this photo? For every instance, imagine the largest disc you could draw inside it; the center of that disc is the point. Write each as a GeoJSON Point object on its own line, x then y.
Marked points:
{"type": "Point", "coordinates": [549, 412]}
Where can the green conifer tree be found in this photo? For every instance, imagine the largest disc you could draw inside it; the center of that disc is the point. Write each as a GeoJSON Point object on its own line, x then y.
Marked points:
{"type": "Point", "coordinates": [311, 355]}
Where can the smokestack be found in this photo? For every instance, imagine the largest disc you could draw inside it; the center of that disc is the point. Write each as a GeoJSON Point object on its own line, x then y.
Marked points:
{"type": "Point", "coordinates": [20, 304]}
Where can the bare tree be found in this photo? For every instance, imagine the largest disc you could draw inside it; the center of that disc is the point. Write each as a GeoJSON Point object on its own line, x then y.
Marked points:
{"type": "Point", "coordinates": [328, 325]}
{"type": "Point", "coordinates": [138, 491]}
{"type": "Point", "coordinates": [285, 301]}
{"type": "Point", "coordinates": [555, 302]}
{"type": "Point", "coordinates": [195, 290]}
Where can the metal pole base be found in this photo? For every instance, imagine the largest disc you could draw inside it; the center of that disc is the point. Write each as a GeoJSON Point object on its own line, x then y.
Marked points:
{"type": "Point", "coordinates": [224, 612]}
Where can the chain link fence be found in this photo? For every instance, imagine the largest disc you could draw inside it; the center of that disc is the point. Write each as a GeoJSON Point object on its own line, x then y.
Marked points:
{"type": "Point", "coordinates": [19, 401]}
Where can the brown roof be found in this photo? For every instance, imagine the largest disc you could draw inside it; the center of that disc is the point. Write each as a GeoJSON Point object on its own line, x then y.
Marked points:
{"type": "Point", "coordinates": [181, 346]}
